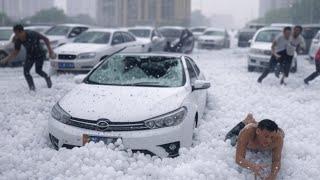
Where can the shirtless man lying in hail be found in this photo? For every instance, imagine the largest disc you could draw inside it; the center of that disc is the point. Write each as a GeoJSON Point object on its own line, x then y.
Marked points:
{"type": "Point", "coordinates": [257, 136]}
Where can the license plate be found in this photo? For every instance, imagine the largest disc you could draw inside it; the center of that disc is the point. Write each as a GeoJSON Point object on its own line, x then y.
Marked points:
{"type": "Point", "coordinates": [96, 139]}
{"type": "Point", "coordinates": [66, 65]}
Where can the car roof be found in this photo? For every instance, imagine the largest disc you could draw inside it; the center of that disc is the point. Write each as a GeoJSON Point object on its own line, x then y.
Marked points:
{"type": "Point", "coordinates": [172, 27]}
{"type": "Point", "coordinates": [311, 25]}
{"type": "Point", "coordinates": [271, 28]}
{"type": "Point", "coordinates": [6, 27]}
{"type": "Point", "coordinates": [142, 27]}
{"type": "Point", "coordinates": [198, 27]}
{"type": "Point", "coordinates": [72, 25]}
{"type": "Point", "coordinates": [215, 29]}
{"type": "Point", "coordinates": [111, 30]}
{"type": "Point", "coordinates": [162, 54]}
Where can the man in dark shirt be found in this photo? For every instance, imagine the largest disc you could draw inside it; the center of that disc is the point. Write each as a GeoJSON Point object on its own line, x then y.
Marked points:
{"type": "Point", "coordinates": [34, 53]}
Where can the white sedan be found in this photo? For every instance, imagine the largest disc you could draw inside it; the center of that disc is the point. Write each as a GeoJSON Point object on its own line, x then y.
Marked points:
{"type": "Point", "coordinates": [150, 102]}
{"type": "Point", "coordinates": [151, 38]}
{"type": "Point", "coordinates": [91, 47]}
{"type": "Point", "coordinates": [214, 38]}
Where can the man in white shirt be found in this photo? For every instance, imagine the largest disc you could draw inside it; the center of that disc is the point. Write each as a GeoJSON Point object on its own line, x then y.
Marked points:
{"type": "Point", "coordinates": [296, 41]}
{"type": "Point", "coordinates": [279, 52]}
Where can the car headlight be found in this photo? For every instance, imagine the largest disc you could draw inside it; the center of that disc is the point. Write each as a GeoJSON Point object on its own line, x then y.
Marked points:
{"type": "Point", "coordinates": [59, 114]}
{"type": "Point", "coordinates": [54, 43]}
{"type": "Point", "coordinates": [87, 55]}
{"type": "Point", "coordinates": [167, 120]}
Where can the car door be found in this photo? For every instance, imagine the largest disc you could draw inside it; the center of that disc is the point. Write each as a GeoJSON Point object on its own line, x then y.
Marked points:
{"type": "Point", "coordinates": [75, 31]}
{"type": "Point", "coordinates": [132, 44]}
{"type": "Point", "coordinates": [196, 95]}
{"type": "Point", "coordinates": [117, 41]}
{"type": "Point", "coordinates": [200, 94]}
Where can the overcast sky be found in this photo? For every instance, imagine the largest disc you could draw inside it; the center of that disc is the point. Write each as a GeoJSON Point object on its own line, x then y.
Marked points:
{"type": "Point", "coordinates": [241, 10]}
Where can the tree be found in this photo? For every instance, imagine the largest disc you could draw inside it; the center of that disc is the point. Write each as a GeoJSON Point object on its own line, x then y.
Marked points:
{"type": "Point", "coordinates": [52, 15]}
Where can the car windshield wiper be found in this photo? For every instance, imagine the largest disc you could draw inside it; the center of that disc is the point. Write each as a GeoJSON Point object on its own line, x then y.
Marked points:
{"type": "Point", "coordinates": [148, 83]}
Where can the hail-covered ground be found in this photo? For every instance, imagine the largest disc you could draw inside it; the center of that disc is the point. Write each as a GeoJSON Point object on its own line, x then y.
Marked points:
{"type": "Point", "coordinates": [26, 152]}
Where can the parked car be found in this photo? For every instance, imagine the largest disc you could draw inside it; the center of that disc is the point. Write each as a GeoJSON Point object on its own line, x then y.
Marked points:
{"type": "Point", "coordinates": [7, 46]}
{"type": "Point", "coordinates": [151, 102]}
{"type": "Point", "coordinates": [315, 45]}
{"type": "Point", "coordinates": [40, 29]}
{"type": "Point", "coordinates": [309, 33]}
{"type": "Point", "coordinates": [197, 31]}
{"type": "Point", "coordinates": [255, 26]}
{"type": "Point", "coordinates": [179, 39]}
{"type": "Point", "coordinates": [150, 37]}
{"type": "Point", "coordinates": [244, 36]}
{"type": "Point", "coordinates": [260, 49]}
{"type": "Point", "coordinates": [91, 47]}
{"type": "Point", "coordinates": [64, 33]}
{"type": "Point", "coordinates": [214, 38]}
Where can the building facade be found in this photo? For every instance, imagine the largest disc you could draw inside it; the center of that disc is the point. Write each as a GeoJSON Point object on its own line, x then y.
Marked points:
{"type": "Point", "coordinates": [120, 13]}
{"type": "Point", "coordinates": [78, 7]}
{"type": "Point", "coordinates": [18, 9]}
{"type": "Point", "coordinates": [268, 5]}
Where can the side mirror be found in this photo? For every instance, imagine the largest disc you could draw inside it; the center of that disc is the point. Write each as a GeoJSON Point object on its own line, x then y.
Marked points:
{"type": "Point", "coordinates": [201, 84]}
{"type": "Point", "coordinates": [316, 41]}
{"type": "Point", "coordinates": [250, 41]}
{"type": "Point", "coordinates": [79, 78]}
{"type": "Point", "coordinates": [155, 39]}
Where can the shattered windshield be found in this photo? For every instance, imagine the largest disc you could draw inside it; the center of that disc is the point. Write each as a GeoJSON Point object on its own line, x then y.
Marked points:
{"type": "Point", "coordinates": [154, 71]}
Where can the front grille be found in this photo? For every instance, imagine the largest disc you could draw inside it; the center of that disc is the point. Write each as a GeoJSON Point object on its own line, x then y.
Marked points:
{"type": "Point", "coordinates": [113, 126]}
{"type": "Point", "coordinates": [67, 56]}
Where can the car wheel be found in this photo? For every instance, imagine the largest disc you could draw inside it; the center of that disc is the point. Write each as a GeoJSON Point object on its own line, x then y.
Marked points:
{"type": "Point", "coordinates": [251, 68]}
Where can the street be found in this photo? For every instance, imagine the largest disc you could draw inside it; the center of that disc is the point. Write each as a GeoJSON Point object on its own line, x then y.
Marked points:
{"type": "Point", "coordinates": [26, 152]}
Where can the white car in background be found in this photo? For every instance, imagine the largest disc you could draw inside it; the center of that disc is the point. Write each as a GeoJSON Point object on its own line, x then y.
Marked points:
{"type": "Point", "coordinates": [40, 29]}
{"type": "Point", "coordinates": [91, 47]}
{"type": "Point", "coordinates": [7, 46]}
{"type": "Point", "coordinates": [214, 38]}
{"type": "Point", "coordinates": [198, 31]}
{"type": "Point", "coordinates": [260, 49]}
{"type": "Point", "coordinates": [315, 45]}
{"type": "Point", "coordinates": [150, 37]}
{"type": "Point", "coordinates": [150, 102]}
{"type": "Point", "coordinates": [64, 33]}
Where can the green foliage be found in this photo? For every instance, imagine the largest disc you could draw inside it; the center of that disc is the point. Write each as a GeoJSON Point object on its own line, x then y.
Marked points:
{"type": "Point", "coordinates": [52, 15]}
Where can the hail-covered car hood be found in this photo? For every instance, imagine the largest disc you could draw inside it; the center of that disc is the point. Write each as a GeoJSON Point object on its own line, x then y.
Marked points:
{"type": "Point", "coordinates": [261, 46]}
{"type": "Point", "coordinates": [56, 38]}
{"type": "Point", "coordinates": [76, 48]}
{"type": "Point", "coordinates": [121, 103]}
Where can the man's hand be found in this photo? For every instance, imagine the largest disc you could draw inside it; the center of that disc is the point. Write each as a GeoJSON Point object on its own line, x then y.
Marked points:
{"type": "Point", "coordinates": [4, 61]}
{"type": "Point", "coordinates": [52, 55]}
{"type": "Point", "coordinates": [257, 168]}
{"type": "Point", "coordinates": [277, 56]}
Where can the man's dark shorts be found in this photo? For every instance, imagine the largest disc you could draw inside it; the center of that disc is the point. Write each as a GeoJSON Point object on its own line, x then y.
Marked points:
{"type": "Point", "coordinates": [285, 62]}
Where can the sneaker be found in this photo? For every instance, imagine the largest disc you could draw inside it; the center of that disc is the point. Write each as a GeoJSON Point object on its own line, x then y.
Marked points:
{"type": "Point", "coordinates": [283, 83]}
{"type": "Point", "coordinates": [49, 82]}
{"type": "Point", "coordinates": [32, 88]}
{"type": "Point", "coordinates": [306, 82]}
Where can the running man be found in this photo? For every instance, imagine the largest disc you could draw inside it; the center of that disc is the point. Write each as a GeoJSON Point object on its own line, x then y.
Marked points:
{"type": "Point", "coordinates": [262, 136]}
{"type": "Point", "coordinates": [279, 52]}
{"type": "Point", "coordinates": [296, 42]}
{"type": "Point", "coordinates": [34, 53]}
{"type": "Point", "coordinates": [317, 72]}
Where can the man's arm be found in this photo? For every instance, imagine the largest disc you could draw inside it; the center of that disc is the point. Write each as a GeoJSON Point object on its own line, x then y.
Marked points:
{"type": "Point", "coordinates": [242, 143]}
{"type": "Point", "coordinates": [273, 49]}
{"type": "Point", "coordinates": [276, 159]}
{"type": "Point", "coordinates": [11, 56]}
{"type": "Point", "coordinates": [47, 42]}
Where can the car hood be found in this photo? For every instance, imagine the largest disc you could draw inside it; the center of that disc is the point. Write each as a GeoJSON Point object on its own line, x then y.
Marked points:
{"type": "Point", "coordinates": [215, 38]}
{"type": "Point", "coordinates": [75, 48]}
{"type": "Point", "coordinates": [261, 46]}
{"type": "Point", "coordinates": [121, 103]}
{"type": "Point", "coordinates": [56, 38]}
